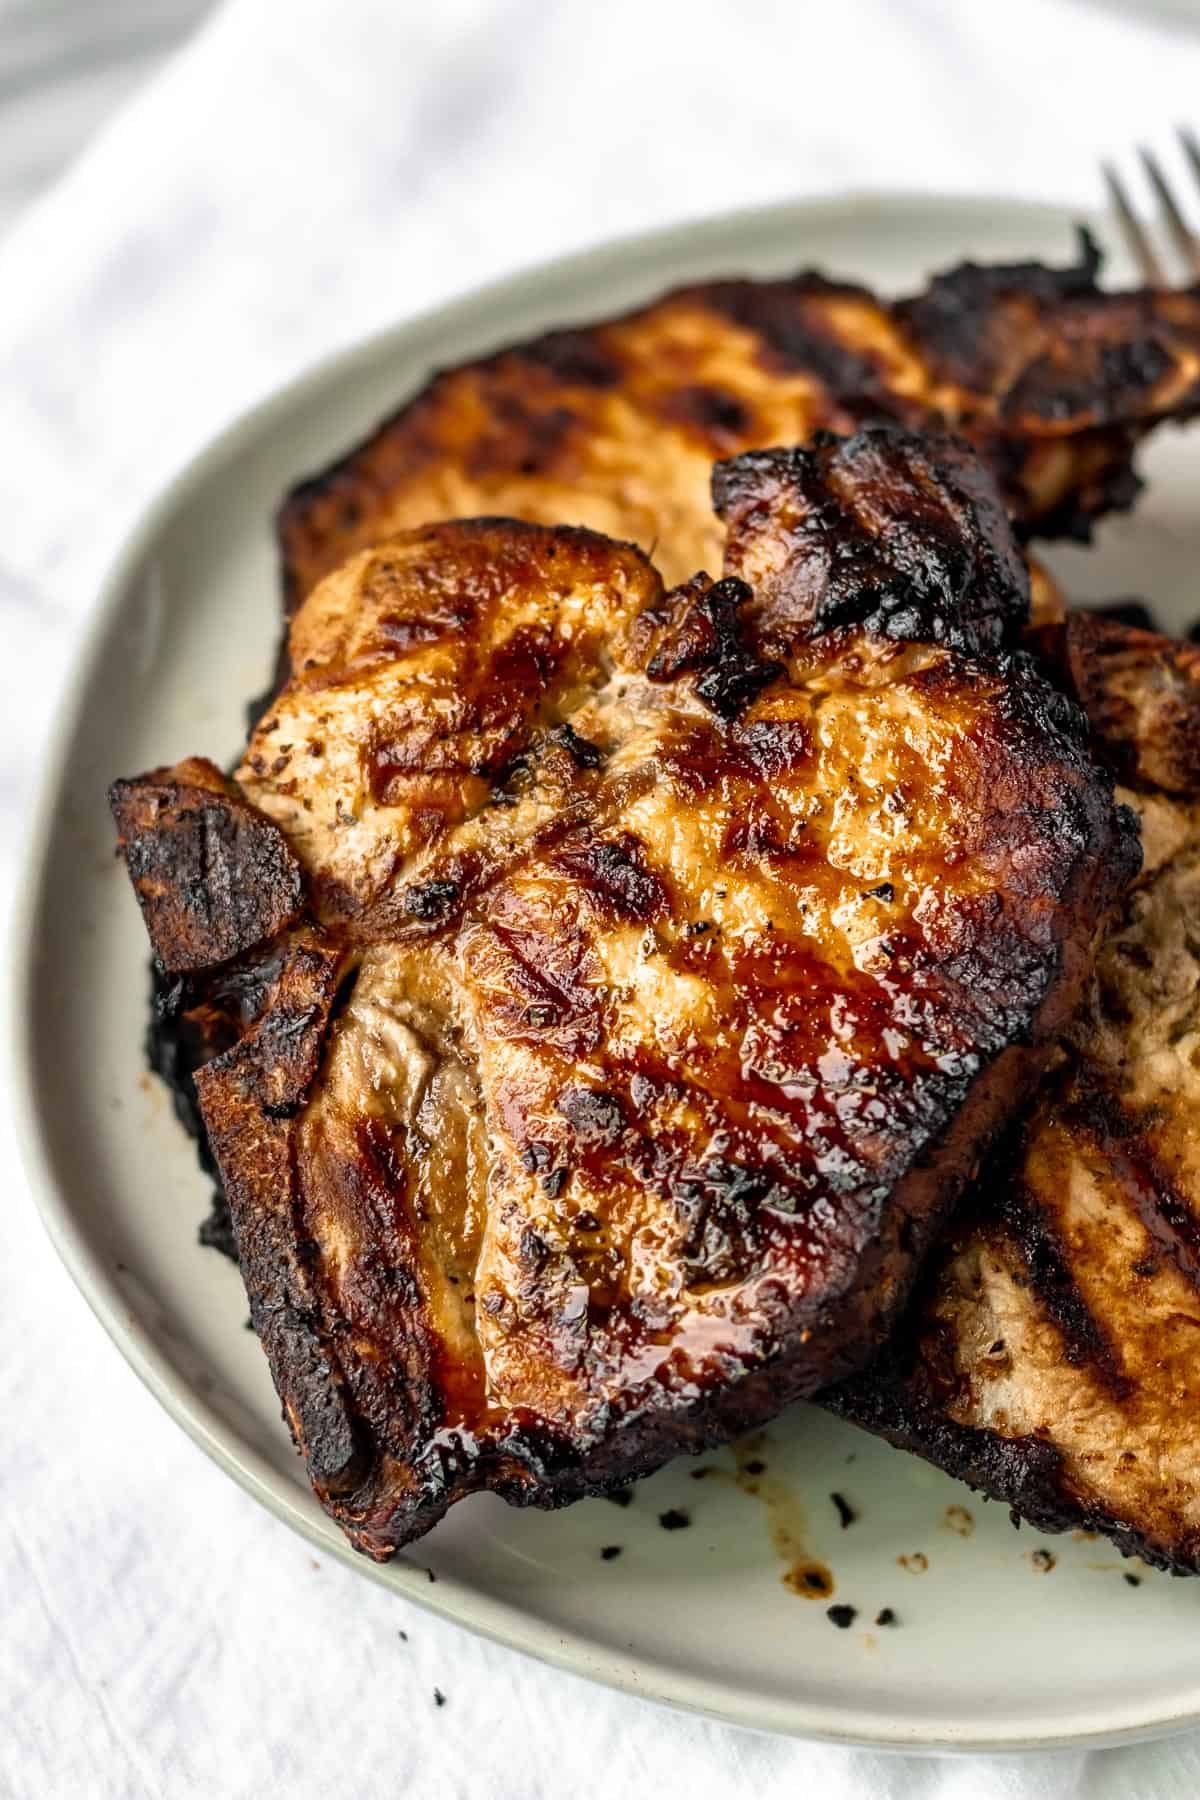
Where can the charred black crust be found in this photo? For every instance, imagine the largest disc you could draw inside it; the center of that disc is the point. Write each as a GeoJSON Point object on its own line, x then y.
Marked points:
{"type": "Point", "coordinates": [246, 1098]}
{"type": "Point", "coordinates": [583, 753]}
{"type": "Point", "coordinates": [1132, 611]}
{"type": "Point", "coordinates": [703, 635]}
{"type": "Point", "coordinates": [596, 1117]}
{"type": "Point", "coordinates": [575, 357]}
{"type": "Point", "coordinates": [212, 875]}
{"type": "Point", "coordinates": [1099, 364]}
{"type": "Point", "coordinates": [1024, 1472]}
{"type": "Point", "coordinates": [951, 318]}
{"type": "Point", "coordinates": [215, 1231]}
{"type": "Point", "coordinates": [432, 901]}
{"type": "Point", "coordinates": [192, 1020]}
{"type": "Point", "coordinates": [718, 415]}
{"type": "Point", "coordinates": [177, 1043]}
{"type": "Point", "coordinates": [885, 530]}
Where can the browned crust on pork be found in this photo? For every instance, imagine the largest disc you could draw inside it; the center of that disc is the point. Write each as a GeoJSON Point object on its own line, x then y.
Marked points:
{"type": "Point", "coordinates": [615, 424]}
{"type": "Point", "coordinates": [853, 532]}
{"type": "Point", "coordinates": [1049, 1357]}
{"type": "Point", "coordinates": [250, 1096]}
{"type": "Point", "coordinates": [624, 1106]}
{"type": "Point", "coordinates": [1141, 693]}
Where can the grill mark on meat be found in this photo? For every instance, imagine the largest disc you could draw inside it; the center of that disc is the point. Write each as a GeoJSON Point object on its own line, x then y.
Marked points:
{"type": "Point", "coordinates": [696, 1183]}
{"type": "Point", "coordinates": [1048, 1267]}
{"type": "Point", "coordinates": [1110, 1153]}
{"type": "Point", "coordinates": [542, 433]}
{"type": "Point", "coordinates": [721, 418]}
{"type": "Point", "coordinates": [827, 539]}
{"type": "Point", "coordinates": [797, 333]}
{"type": "Point", "coordinates": [1119, 1134]}
{"type": "Point", "coordinates": [575, 357]}
{"type": "Point", "coordinates": [615, 424]}
{"type": "Point", "coordinates": [546, 997]}
{"type": "Point", "coordinates": [615, 877]}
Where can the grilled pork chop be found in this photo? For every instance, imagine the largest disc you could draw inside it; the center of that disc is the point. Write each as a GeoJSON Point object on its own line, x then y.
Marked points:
{"type": "Point", "coordinates": [616, 425]}
{"type": "Point", "coordinates": [618, 985]}
{"type": "Point", "coordinates": [1051, 1355]}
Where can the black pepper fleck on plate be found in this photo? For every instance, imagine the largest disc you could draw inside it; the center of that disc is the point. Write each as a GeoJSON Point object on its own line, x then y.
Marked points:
{"type": "Point", "coordinates": [1043, 1561]}
{"type": "Point", "coordinates": [439, 1699]}
{"type": "Point", "coordinates": [431, 1574]}
{"type": "Point", "coordinates": [845, 1511]}
{"type": "Point", "coordinates": [403, 1635]}
{"type": "Point", "coordinates": [609, 1551]}
{"type": "Point", "coordinates": [1134, 1580]}
{"type": "Point", "coordinates": [886, 1616]}
{"type": "Point", "coordinates": [757, 1467]}
{"type": "Point", "coordinates": [674, 1519]}
{"type": "Point", "coordinates": [620, 1496]}
{"type": "Point", "coordinates": [841, 1616]}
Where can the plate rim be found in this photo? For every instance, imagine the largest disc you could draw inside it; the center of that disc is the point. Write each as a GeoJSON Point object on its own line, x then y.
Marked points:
{"type": "Point", "coordinates": [501, 1621]}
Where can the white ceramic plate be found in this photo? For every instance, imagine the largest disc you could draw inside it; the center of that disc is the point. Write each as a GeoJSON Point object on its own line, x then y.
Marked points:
{"type": "Point", "coordinates": [990, 1651]}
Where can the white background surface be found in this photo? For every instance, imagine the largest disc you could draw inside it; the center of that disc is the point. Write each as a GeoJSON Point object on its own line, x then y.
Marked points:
{"type": "Point", "coordinates": [65, 66]}
{"type": "Point", "coordinates": [299, 176]}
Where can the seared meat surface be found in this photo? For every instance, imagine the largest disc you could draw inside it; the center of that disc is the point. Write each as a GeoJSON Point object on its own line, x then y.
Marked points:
{"type": "Point", "coordinates": [1050, 1356]}
{"type": "Point", "coordinates": [873, 532]}
{"type": "Point", "coordinates": [616, 425]}
{"type": "Point", "coordinates": [662, 966]}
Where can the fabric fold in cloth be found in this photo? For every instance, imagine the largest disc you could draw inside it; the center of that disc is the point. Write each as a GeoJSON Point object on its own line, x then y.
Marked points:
{"type": "Point", "coordinates": [297, 178]}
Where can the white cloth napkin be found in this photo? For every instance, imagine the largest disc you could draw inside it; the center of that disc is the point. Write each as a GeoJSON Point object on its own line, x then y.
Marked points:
{"type": "Point", "coordinates": [298, 176]}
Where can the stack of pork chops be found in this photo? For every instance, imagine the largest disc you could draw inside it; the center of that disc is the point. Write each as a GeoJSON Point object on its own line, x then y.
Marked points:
{"type": "Point", "coordinates": [682, 937]}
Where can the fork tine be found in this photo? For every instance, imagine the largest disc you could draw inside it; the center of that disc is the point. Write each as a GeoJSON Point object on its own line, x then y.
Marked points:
{"type": "Point", "coordinates": [1182, 236]}
{"type": "Point", "coordinates": [1191, 150]}
{"type": "Point", "coordinates": [1139, 244]}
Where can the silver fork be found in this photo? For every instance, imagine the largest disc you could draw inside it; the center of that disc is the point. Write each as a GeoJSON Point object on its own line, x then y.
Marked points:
{"type": "Point", "coordinates": [1185, 241]}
